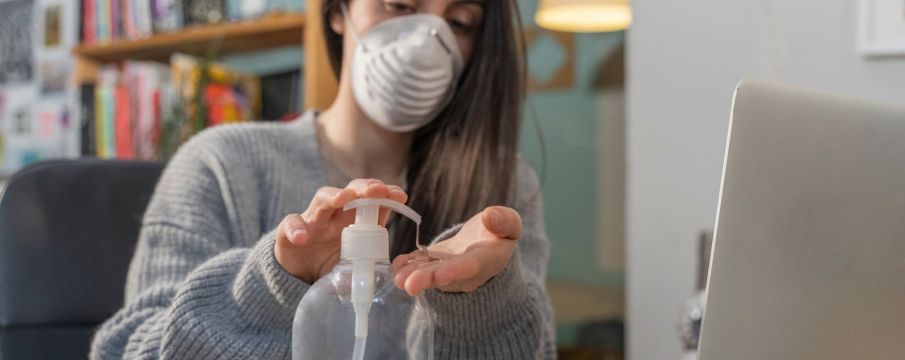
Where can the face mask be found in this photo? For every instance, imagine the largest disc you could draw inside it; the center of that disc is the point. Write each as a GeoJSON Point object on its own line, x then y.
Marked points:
{"type": "Point", "coordinates": [405, 70]}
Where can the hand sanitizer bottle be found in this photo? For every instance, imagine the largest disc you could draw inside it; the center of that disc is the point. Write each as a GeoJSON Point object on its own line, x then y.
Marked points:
{"type": "Point", "coordinates": [356, 311]}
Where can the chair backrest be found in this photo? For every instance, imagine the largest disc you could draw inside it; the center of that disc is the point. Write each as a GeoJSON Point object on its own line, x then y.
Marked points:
{"type": "Point", "coordinates": [67, 232]}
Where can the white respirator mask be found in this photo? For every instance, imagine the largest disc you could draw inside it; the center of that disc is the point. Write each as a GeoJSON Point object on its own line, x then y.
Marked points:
{"type": "Point", "coordinates": [405, 70]}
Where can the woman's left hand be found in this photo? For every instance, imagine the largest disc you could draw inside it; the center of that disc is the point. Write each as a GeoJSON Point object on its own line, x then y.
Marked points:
{"type": "Point", "coordinates": [480, 250]}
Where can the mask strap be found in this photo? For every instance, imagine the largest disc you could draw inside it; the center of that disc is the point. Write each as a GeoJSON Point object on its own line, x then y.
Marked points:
{"type": "Point", "coordinates": [345, 10]}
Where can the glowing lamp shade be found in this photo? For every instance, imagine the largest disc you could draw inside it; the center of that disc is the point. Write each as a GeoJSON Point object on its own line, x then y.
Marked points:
{"type": "Point", "coordinates": [584, 15]}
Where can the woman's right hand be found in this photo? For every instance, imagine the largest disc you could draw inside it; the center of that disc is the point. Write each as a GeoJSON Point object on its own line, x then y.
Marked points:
{"type": "Point", "coordinates": [308, 244]}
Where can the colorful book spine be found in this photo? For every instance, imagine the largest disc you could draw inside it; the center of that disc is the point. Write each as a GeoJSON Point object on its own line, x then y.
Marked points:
{"type": "Point", "coordinates": [286, 5]}
{"type": "Point", "coordinates": [140, 82]}
{"type": "Point", "coordinates": [89, 22]}
{"type": "Point", "coordinates": [102, 20]}
{"type": "Point", "coordinates": [108, 110]}
{"type": "Point", "coordinates": [100, 135]}
{"type": "Point", "coordinates": [114, 18]}
{"type": "Point", "coordinates": [167, 15]}
{"type": "Point", "coordinates": [108, 20]}
{"type": "Point", "coordinates": [128, 19]}
{"type": "Point", "coordinates": [109, 118]}
{"type": "Point", "coordinates": [157, 121]}
{"type": "Point", "coordinates": [161, 15]}
{"type": "Point", "coordinates": [125, 147]}
{"type": "Point", "coordinates": [143, 17]}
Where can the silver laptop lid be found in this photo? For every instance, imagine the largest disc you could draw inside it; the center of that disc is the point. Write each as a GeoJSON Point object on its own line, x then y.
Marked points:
{"type": "Point", "coordinates": [809, 250]}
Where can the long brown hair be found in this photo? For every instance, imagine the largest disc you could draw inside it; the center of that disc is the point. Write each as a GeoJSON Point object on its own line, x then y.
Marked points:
{"type": "Point", "coordinates": [465, 159]}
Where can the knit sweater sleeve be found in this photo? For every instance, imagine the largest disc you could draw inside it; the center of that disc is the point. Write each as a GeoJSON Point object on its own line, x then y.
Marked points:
{"type": "Point", "coordinates": [509, 317]}
{"type": "Point", "coordinates": [192, 292]}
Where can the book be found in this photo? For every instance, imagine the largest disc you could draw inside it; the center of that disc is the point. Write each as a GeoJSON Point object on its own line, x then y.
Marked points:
{"type": "Point", "coordinates": [99, 149]}
{"type": "Point", "coordinates": [89, 28]}
{"type": "Point", "coordinates": [108, 20]}
{"type": "Point", "coordinates": [245, 9]}
{"type": "Point", "coordinates": [87, 127]}
{"type": "Point", "coordinates": [143, 17]}
{"type": "Point", "coordinates": [105, 112]}
{"type": "Point", "coordinates": [286, 5]}
{"type": "Point", "coordinates": [147, 82]}
{"type": "Point", "coordinates": [102, 20]}
{"type": "Point", "coordinates": [109, 119]}
{"type": "Point", "coordinates": [128, 19]}
{"type": "Point", "coordinates": [170, 15]}
{"type": "Point", "coordinates": [125, 147]}
{"type": "Point", "coordinates": [114, 19]}
{"type": "Point", "coordinates": [202, 12]}
{"type": "Point", "coordinates": [157, 104]}
{"type": "Point", "coordinates": [129, 106]}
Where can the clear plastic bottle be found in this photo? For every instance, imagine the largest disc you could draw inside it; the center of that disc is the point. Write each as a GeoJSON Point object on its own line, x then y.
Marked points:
{"type": "Point", "coordinates": [356, 311]}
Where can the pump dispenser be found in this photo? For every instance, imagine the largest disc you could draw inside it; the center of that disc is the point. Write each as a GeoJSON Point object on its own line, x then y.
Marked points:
{"type": "Point", "coordinates": [327, 327]}
{"type": "Point", "coordinates": [364, 243]}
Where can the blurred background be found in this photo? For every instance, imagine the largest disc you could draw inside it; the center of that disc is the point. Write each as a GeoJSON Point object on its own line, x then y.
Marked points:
{"type": "Point", "coordinates": [124, 79]}
{"type": "Point", "coordinates": [625, 122]}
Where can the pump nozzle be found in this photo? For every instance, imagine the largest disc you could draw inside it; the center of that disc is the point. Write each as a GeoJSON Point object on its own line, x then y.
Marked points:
{"type": "Point", "coordinates": [372, 207]}
{"type": "Point", "coordinates": [364, 243]}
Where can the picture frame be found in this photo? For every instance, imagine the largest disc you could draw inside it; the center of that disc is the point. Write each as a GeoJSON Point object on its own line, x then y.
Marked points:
{"type": "Point", "coordinates": [881, 28]}
{"type": "Point", "coordinates": [564, 75]}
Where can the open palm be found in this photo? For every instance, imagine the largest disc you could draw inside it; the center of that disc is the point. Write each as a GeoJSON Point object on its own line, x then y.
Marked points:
{"type": "Point", "coordinates": [480, 250]}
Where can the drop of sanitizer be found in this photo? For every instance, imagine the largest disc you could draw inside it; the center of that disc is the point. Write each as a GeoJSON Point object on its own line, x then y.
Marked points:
{"type": "Point", "coordinates": [421, 255]}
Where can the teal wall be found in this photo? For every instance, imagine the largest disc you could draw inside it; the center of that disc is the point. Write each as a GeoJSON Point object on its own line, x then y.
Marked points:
{"type": "Point", "coordinates": [568, 122]}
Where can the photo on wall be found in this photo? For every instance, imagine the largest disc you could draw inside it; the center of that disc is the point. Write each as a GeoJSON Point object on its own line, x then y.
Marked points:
{"type": "Point", "coordinates": [16, 41]}
{"type": "Point", "coordinates": [53, 76]}
{"type": "Point", "coordinates": [53, 26]}
{"type": "Point", "coordinates": [18, 115]}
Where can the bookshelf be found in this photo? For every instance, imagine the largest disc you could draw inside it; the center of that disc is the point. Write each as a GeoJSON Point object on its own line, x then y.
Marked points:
{"type": "Point", "coordinates": [259, 34]}
{"type": "Point", "coordinates": [268, 32]}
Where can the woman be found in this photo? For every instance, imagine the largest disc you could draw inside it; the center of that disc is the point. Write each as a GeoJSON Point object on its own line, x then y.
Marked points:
{"type": "Point", "coordinates": [220, 267]}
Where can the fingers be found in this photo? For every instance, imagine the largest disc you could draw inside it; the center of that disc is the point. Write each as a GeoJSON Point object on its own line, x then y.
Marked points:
{"type": "Point", "coordinates": [478, 258]}
{"type": "Point", "coordinates": [503, 222]}
{"type": "Point", "coordinates": [292, 230]}
{"type": "Point", "coordinates": [456, 274]}
{"type": "Point", "coordinates": [373, 188]}
{"type": "Point", "coordinates": [400, 261]}
{"type": "Point", "coordinates": [326, 202]}
{"type": "Point", "coordinates": [320, 220]}
{"type": "Point", "coordinates": [369, 188]}
{"type": "Point", "coordinates": [458, 269]}
{"type": "Point", "coordinates": [397, 194]}
{"type": "Point", "coordinates": [403, 274]}
{"type": "Point", "coordinates": [422, 278]}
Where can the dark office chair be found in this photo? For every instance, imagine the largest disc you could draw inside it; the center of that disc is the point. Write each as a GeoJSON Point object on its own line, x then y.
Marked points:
{"type": "Point", "coordinates": [67, 232]}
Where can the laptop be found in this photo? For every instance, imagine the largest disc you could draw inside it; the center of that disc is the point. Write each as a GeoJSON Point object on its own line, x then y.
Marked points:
{"type": "Point", "coordinates": [809, 248]}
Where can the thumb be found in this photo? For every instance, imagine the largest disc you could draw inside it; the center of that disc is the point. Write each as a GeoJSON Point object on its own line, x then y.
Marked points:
{"type": "Point", "coordinates": [502, 221]}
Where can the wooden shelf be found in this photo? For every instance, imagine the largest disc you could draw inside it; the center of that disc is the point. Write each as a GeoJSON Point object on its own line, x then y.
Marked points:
{"type": "Point", "coordinates": [261, 34]}
{"type": "Point", "coordinates": [265, 33]}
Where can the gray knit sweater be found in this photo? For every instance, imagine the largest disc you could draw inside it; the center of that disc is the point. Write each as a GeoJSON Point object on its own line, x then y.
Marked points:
{"type": "Point", "coordinates": [204, 282]}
